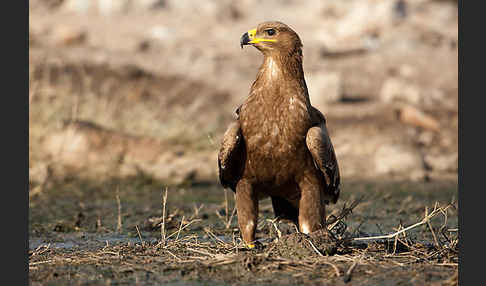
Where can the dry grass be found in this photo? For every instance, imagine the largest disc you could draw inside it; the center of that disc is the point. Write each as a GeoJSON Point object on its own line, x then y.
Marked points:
{"type": "Point", "coordinates": [183, 249]}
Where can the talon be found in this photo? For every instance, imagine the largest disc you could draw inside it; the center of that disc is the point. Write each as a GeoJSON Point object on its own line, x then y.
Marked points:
{"type": "Point", "coordinates": [250, 246]}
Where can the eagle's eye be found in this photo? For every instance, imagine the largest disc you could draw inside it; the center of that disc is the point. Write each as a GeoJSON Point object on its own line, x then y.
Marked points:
{"type": "Point", "coordinates": [270, 32]}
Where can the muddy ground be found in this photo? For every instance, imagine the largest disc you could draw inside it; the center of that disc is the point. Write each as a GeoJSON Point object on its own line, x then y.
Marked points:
{"type": "Point", "coordinates": [128, 99]}
{"type": "Point", "coordinates": [79, 234]}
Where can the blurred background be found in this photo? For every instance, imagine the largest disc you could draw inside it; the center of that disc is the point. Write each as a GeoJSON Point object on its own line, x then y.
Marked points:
{"type": "Point", "coordinates": [123, 88]}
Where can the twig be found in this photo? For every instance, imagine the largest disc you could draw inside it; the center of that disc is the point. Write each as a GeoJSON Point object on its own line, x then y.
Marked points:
{"type": "Point", "coordinates": [119, 224]}
{"type": "Point", "coordinates": [162, 227]}
{"type": "Point", "coordinates": [40, 262]}
{"type": "Point", "coordinates": [228, 223]}
{"type": "Point", "coordinates": [38, 250]}
{"type": "Point", "coordinates": [336, 269]}
{"type": "Point", "coordinates": [139, 235]}
{"type": "Point", "coordinates": [333, 221]}
{"type": "Point", "coordinates": [180, 227]}
{"type": "Point", "coordinates": [173, 255]}
{"type": "Point", "coordinates": [199, 251]}
{"type": "Point", "coordinates": [347, 276]}
{"type": "Point", "coordinates": [391, 235]}
{"type": "Point", "coordinates": [431, 229]}
{"type": "Point", "coordinates": [272, 221]}
{"type": "Point", "coordinates": [313, 247]}
{"type": "Point", "coordinates": [213, 236]}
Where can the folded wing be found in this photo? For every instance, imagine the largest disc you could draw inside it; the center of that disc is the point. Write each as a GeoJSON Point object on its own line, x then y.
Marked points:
{"type": "Point", "coordinates": [320, 146]}
{"type": "Point", "coordinates": [231, 157]}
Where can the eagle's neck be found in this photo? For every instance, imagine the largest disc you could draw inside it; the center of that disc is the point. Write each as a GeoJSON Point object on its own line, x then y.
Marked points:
{"type": "Point", "coordinates": [282, 70]}
{"type": "Point", "coordinates": [289, 65]}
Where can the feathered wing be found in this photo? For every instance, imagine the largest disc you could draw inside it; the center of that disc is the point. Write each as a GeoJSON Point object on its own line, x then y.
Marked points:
{"type": "Point", "coordinates": [231, 157]}
{"type": "Point", "coordinates": [320, 146]}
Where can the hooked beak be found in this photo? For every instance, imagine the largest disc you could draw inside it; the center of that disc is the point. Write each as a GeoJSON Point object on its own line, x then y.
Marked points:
{"type": "Point", "coordinates": [245, 40]}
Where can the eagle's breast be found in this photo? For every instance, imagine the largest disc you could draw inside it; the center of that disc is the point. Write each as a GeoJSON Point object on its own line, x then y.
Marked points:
{"type": "Point", "coordinates": [274, 125]}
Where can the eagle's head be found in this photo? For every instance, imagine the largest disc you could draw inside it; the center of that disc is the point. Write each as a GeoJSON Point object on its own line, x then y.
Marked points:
{"type": "Point", "coordinates": [272, 37]}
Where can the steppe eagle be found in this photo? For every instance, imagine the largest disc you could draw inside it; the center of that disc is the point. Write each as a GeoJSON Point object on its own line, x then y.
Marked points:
{"type": "Point", "coordinates": [279, 146]}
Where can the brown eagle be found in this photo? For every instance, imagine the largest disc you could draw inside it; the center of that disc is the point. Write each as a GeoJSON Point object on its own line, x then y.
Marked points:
{"type": "Point", "coordinates": [279, 146]}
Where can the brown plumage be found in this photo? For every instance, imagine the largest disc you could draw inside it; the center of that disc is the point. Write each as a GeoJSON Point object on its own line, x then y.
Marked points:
{"type": "Point", "coordinates": [279, 146]}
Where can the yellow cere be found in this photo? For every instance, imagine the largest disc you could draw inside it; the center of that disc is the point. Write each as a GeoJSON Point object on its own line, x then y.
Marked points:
{"type": "Point", "coordinates": [250, 246]}
{"type": "Point", "coordinates": [253, 40]}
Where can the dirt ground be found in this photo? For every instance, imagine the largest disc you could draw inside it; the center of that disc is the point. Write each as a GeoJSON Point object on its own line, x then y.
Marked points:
{"type": "Point", "coordinates": [128, 99]}
{"type": "Point", "coordinates": [79, 234]}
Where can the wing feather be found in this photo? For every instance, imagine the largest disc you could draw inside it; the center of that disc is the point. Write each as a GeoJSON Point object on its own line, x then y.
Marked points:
{"type": "Point", "coordinates": [231, 156]}
{"type": "Point", "coordinates": [320, 146]}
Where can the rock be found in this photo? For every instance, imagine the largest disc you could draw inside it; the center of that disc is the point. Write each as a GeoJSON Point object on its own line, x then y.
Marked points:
{"type": "Point", "coordinates": [396, 89]}
{"type": "Point", "coordinates": [413, 116]}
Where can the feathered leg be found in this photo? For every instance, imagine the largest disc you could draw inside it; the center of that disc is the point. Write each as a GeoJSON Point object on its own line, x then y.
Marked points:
{"type": "Point", "coordinates": [312, 212]}
{"type": "Point", "coordinates": [247, 209]}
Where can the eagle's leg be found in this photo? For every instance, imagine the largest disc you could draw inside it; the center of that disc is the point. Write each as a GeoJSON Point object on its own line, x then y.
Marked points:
{"type": "Point", "coordinates": [247, 210]}
{"type": "Point", "coordinates": [312, 212]}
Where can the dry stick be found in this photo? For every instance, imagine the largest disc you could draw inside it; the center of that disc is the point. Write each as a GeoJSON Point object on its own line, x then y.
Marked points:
{"type": "Point", "coordinates": [228, 223]}
{"type": "Point", "coordinates": [139, 235]}
{"type": "Point", "coordinates": [431, 229]}
{"type": "Point", "coordinates": [119, 224]}
{"type": "Point", "coordinates": [347, 276]}
{"type": "Point", "coordinates": [396, 239]}
{"type": "Point", "coordinates": [391, 235]}
{"type": "Point", "coordinates": [315, 249]}
{"type": "Point", "coordinates": [196, 211]}
{"type": "Point", "coordinates": [444, 226]}
{"type": "Point", "coordinates": [173, 255]}
{"type": "Point", "coordinates": [38, 250]}
{"type": "Point", "coordinates": [213, 236]}
{"type": "Point", "coordinates": [332, 222]}
{"type": "Point", "coordinates": [180, 227]}
{"type": "Point", "coordinates": [162, 227]}
{"type": "Point", "coordinates": [272, 221]}
{"type": "Point", "coordinates": [40, 262]}
{"type": "Point", "coordinates": [336, 269]}
{"type": "Point", "coordinates": [200, 251]}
